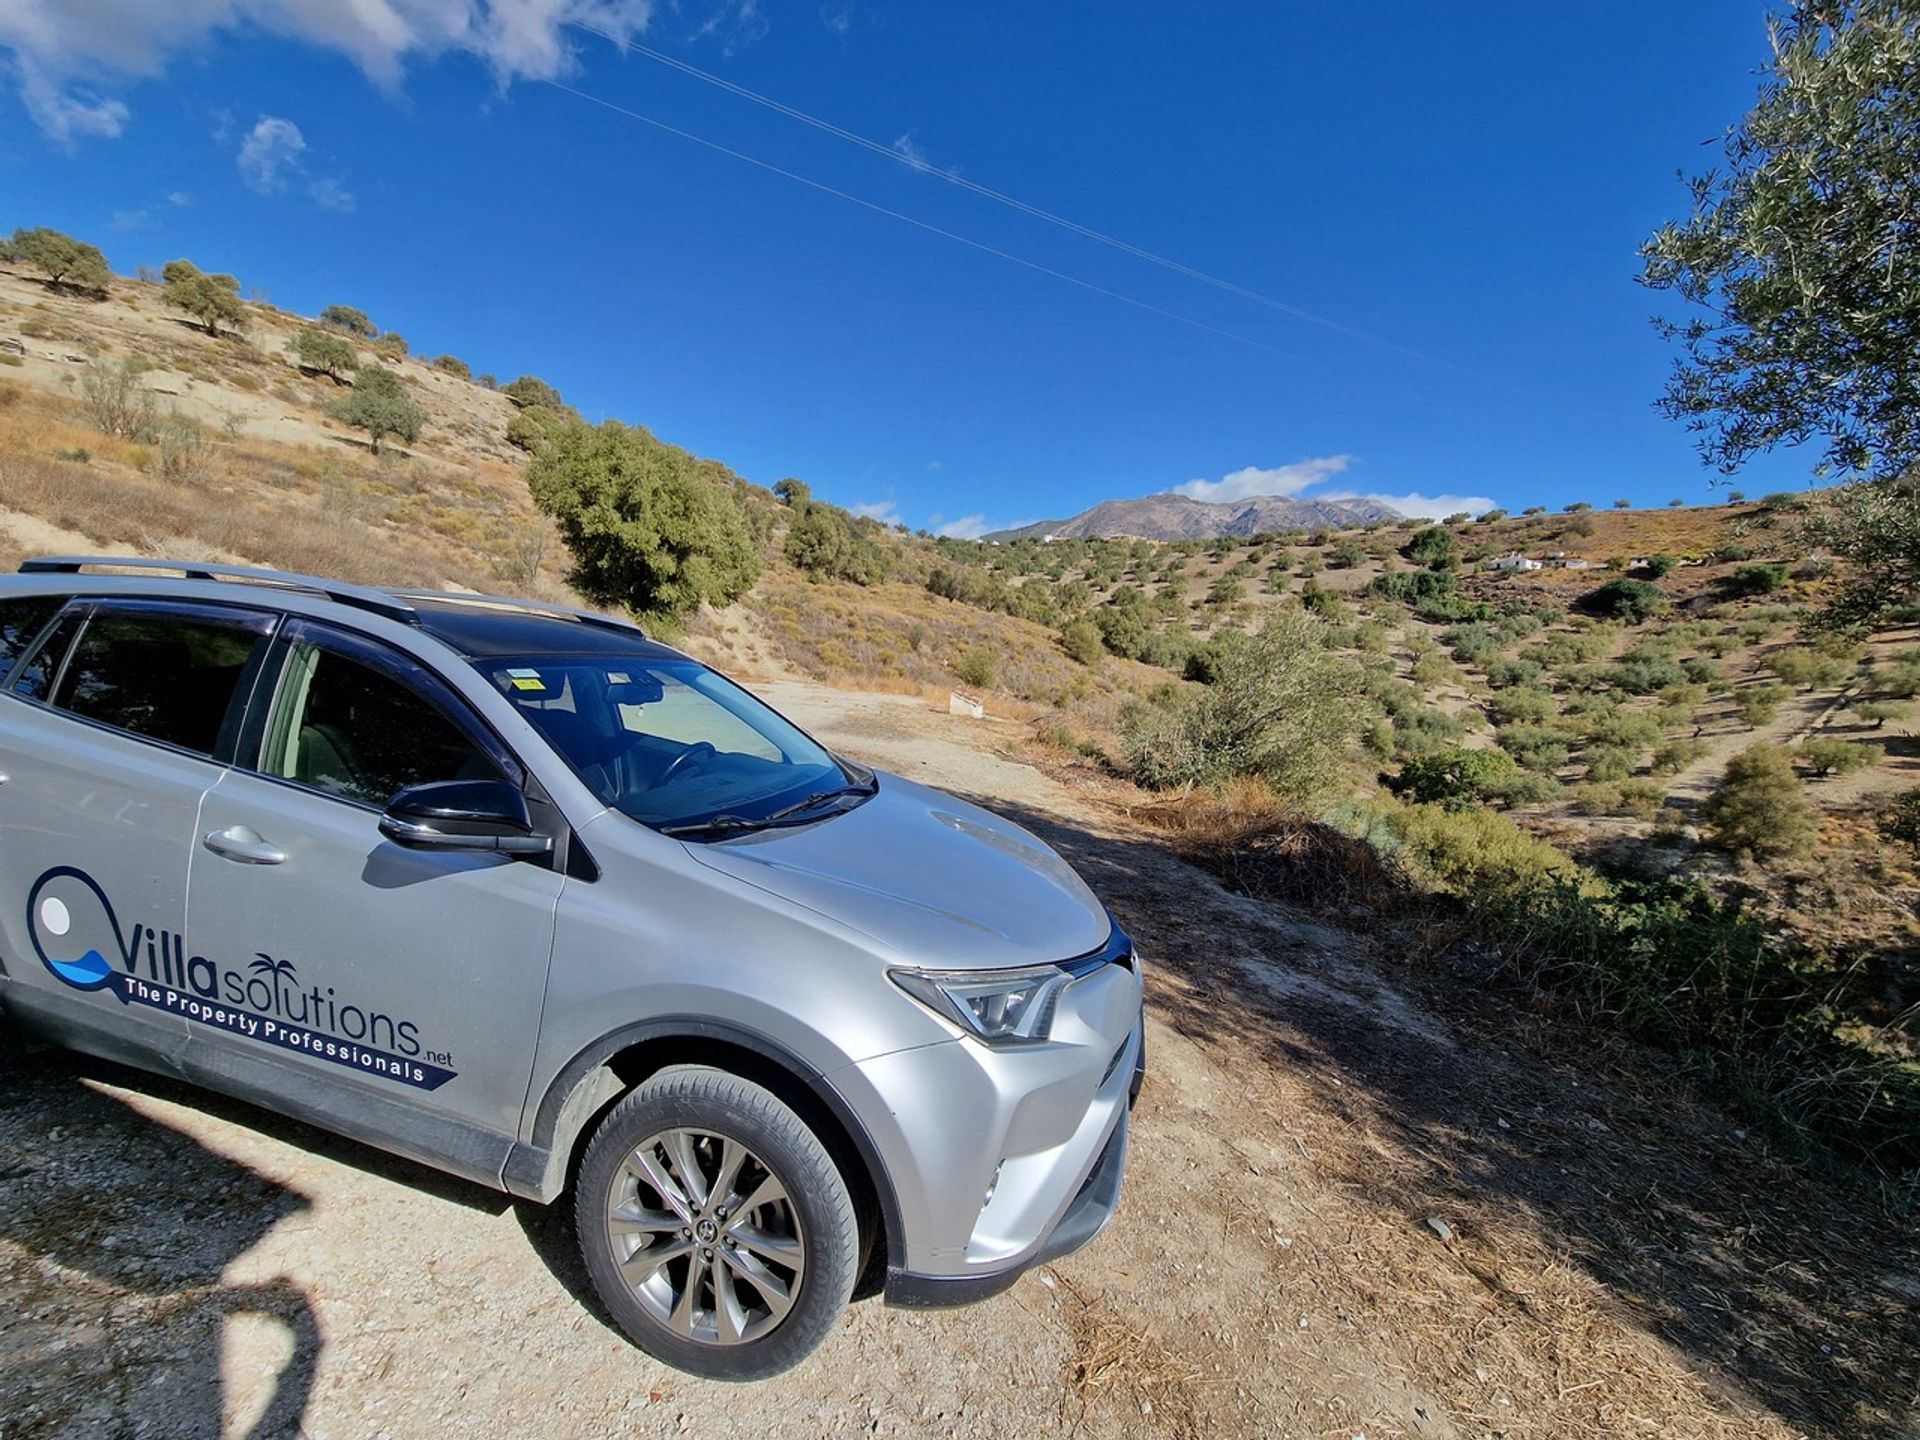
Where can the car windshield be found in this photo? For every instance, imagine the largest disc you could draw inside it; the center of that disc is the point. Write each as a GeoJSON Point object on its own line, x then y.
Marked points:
{"type": "Point", "coordinates": [673, 744]}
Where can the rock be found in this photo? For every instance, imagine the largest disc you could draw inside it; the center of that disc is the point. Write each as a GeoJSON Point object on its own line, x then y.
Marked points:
{"type": "Point", "coordinates": [1439, 1227]}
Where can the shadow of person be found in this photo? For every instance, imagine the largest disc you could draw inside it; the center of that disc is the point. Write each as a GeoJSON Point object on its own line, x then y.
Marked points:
{"type": "Point", "coordinates": [115, 1233]}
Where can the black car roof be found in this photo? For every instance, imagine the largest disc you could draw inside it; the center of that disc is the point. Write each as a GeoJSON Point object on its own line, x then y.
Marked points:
{"type": "Point", "coordinates": [483, 632]}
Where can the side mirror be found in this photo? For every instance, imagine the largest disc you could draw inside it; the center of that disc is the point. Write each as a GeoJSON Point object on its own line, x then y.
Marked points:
{"type": "Point", "coordinates": [487, 815]}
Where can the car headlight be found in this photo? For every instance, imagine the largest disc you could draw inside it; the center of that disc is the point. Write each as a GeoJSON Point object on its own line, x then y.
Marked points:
{"type": "Point", "coordinates": [1001, 1007]}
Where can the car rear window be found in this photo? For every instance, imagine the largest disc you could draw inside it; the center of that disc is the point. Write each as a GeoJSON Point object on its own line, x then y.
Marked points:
{"type": "Point", "coordinates": [165, 676]}
{"type": "Point", "coordinates": [22, 618]}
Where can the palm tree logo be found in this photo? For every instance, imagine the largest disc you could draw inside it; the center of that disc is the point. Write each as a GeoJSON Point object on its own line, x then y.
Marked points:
{"type": "Point", "coordinates": [276, 970]}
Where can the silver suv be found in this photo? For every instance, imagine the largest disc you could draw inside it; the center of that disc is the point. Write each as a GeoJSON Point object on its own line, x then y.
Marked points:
{"type": "Point", "coordinates": [515, 891]}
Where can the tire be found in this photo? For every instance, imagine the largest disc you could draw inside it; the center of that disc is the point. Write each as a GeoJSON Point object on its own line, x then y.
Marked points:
{"type": "Point", "coordinates": [742, 1290]}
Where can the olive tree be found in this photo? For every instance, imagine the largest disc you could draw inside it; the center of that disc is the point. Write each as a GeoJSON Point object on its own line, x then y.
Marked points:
{"type": "Point", "coordinates": [1803, 282]}
{"type": "Point", "coordinates": [379, 404]}
{"type": "Point", "coordinates": [325, 351]}
{"type": "Point", "coordinates": [66, 262]}
{"type": "Point", "coordinates": [349, 321]}
{"type": "Point", "coordinates": [1282, 707]}
{"type": "Point", "coordinates": [648, 526]}
{"type": "Point", "coordinates": [531, 390]}
{"type": "Point", "coordinates": [213, 300]}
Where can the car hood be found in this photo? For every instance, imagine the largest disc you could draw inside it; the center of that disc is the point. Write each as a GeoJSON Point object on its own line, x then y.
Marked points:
{"type": "Point", "coordinates": [937, 881]}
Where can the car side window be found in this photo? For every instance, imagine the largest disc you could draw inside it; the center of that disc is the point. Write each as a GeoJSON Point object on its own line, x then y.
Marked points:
{"type": "Point", "coordinates": [163, 674]}
{"type": "Point", "coordinates": [22, 618]}
{"type": "Point", "coordinates": [358, 731]}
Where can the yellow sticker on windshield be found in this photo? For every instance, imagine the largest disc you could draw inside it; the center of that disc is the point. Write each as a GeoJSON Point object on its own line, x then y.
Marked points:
{"type": "Point", "coordinates": [527, 682]}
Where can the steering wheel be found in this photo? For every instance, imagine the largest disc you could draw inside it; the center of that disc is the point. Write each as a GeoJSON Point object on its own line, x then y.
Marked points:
{"type": "Point", "coordinates": [700, 751]}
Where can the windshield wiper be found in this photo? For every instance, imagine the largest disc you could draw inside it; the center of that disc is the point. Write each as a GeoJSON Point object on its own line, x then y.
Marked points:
{"type": "Point", "coordinates": [715, 825]}
{"type": "Point", "coordinates": [820, 797]}
{"type": "Point", "coordinates": [786, 815]}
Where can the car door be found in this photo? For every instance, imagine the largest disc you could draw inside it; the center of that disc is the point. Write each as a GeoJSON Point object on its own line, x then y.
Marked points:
{"type": "Point", "coordinates": [112, 728]}
{"type": "Point", "coordinates": [389, 993]}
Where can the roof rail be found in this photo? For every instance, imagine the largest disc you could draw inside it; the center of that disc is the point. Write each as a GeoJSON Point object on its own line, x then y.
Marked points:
{"type": "Point", "coordinates": [531, 607]}
{"type": "Point", "coordinates": [363, 597]}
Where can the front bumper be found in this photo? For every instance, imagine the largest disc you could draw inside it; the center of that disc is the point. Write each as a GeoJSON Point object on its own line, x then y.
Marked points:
{"type": "Point", "coordinates": [1090, 1212]}
{"type": "Point", "coordinates": [1015, 1158]}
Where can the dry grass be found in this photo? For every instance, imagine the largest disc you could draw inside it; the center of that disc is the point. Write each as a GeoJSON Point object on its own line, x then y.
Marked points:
{"type": "Point", "coordinates": [1263, 847]}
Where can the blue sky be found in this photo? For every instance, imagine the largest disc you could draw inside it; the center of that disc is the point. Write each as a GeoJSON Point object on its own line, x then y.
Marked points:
{"type": "Point", "coordinates": [1456, 191]}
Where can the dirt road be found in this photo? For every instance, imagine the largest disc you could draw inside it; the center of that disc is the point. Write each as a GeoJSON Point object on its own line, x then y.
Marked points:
{"type": "Point", "coordinates": [1357, 1206]}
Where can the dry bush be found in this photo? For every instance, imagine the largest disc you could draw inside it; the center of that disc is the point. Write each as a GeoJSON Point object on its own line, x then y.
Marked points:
{"type": "Point", "coordinates": [1259, 845]}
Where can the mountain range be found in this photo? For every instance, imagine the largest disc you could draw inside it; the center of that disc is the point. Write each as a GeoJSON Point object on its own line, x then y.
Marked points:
{"type": "Point", "coordinates": [1176, 517]}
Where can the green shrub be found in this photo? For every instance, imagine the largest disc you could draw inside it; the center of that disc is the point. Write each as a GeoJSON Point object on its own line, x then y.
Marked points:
{"type": "Point", "coordinates": [1508, 671]}
{"type": "Point", "coordinates": [1676, 755]}
{"type": "Point", "coordinates": [63, 260]}
{"type": "Point", "coordinates": [1080, 638]}
{"type": "Point", "coordinates": [1826, 757]}
{"type": "Point", "coordinates": [531, 390]}
{"type": "Point", "coordinates": [1434, 548]}
{"type": "Point", "coordinates": [649, 526]}
{"type": "Point", "coordinates": [453, 365]}
{"type": "Point", "coordinates": [1878, 712]}
{"type": "Point", "coordinates": [1168, 649]}
{"type": "Point", "coordinates": [1422, 730]}
{"type": "Point", "coordinates": [532, 427]}
{"type": "Point", "coordinates": [1456, 776]}
{"type": "Point", "coordinates": [1540, 748]}
{"type": "Point", "coordinates": [1474, 854]}
{"type": "Point", "coordinates": [977, 668]}
{"type": "Point", "coordinates": [1628, 799]}
{"type": "Point", "coordinates": [324, 351]}
{"type": "Point", "coordinates": [1522, 704]}
{"type": "Point", "coordinates": [825, 543]}
{"type": "Point", "coordinates": [349, 321]}
{"type": "Point", "coordinates": [380, 405]}
{"type": "Point", "coordinates": [1413, 587]}
{"type": "Point", "coordinates": [213, 300]}
{"type": "Point", "coordinates": [1644, 674]}
{"type": "Point", "coordinates": [1758, 704]}
{"type": "Point", "coordinates": [1808, 669]}
{"type": "Point", "coordinates": [1759, 808]}
{"type": "Point", "coordinates": [1760, 579]}
{"type": "Point", "coordinates": [1608, 762]}
{"type": "Point", "coordinates": [1633, 601]}
{"type": "Point", "coordinates": [1624, 729]}
{"type": "Point", "coordinates": [1282, 708]}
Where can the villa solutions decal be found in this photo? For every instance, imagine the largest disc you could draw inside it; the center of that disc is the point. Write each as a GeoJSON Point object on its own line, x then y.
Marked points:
{"type": "Point", "coordinates": [75, 928]}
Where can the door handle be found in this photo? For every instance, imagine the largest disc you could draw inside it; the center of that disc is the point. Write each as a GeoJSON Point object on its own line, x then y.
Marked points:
{"type": "Point", "coordinates": [243, 845]}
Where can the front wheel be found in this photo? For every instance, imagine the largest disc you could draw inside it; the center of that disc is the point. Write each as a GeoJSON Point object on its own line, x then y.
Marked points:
{"type": "Point", "coordinates": [717, 1229]}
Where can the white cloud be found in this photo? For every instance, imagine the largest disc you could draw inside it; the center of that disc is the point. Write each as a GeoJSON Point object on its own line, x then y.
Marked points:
{"type": "Point", "coordinates": [330, 194]}
{"type": "Point", "coordinates": [908, 149]}
{"type": "Point", "coordinates": [180, 197]}
{"type": "Point", "coordinates": [967, 527]}
{"type": "Point", "coordinates": [64, 111]}
{"type": "Point", "coordinates": [60, 52]}
{"type": "Point", "coordinates": [273, 147]}
{"type": "Point", "coordinates": [1246, 483]}
{"type": "Point", "coordinates": [1416, 506]}
{"type": "Point", "coordinates": [885, 511]}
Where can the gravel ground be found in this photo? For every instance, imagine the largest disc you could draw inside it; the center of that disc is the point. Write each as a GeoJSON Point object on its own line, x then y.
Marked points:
{"type": "Point", "coordinates": [1352, 1210]}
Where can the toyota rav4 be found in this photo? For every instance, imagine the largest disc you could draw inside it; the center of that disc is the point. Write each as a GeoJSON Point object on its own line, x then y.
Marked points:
{"type": "Point", "coordinates": [513, 890]}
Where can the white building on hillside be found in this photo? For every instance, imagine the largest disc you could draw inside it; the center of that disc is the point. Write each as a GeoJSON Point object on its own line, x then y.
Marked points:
{"type": "Point", "coordinates": [1514, 561]}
